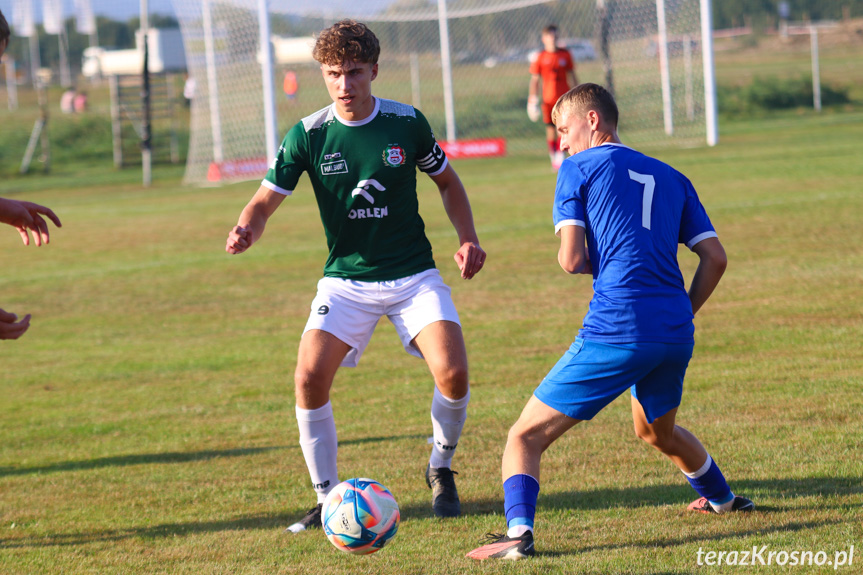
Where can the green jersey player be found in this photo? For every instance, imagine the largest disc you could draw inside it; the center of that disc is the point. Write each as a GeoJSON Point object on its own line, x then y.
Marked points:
{"type": "Point", "coordinates": [361, 154]}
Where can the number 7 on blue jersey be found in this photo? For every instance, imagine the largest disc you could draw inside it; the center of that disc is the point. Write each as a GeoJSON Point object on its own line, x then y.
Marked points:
{"type": "Point", "coordinates": [647, 199]}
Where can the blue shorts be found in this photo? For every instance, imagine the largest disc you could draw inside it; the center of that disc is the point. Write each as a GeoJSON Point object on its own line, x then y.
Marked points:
{"type": "Point", "coordinates": [590, 375]}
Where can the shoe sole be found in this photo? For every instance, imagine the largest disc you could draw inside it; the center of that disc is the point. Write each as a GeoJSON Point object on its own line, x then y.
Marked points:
{"type": "Point", "coordinates": [708, 510]}
{"type": "Point", "coordinates": [494, 551]}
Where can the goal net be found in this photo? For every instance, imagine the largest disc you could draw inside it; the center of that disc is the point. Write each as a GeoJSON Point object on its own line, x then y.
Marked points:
{"type": "Point", "coordinates": [649, 52]}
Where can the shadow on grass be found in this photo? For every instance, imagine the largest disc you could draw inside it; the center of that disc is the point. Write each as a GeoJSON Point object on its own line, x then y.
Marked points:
{"type": "Point", "coordinates": [172, 457]}
{"type": "Point", "coordinates": [659, 495]}
{"type": "Point", "coordinates": [137, 459]}
{"type": "Point", "coordinates": [665, 541]}
{"type": "Point", "coordinates": [279, 521]}
{"type": "Point", "coordinates": [165, 530]}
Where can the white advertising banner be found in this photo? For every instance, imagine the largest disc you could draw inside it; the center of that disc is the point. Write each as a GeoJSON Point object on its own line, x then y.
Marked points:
{"type": "Point", "coordinates": [85, 20]}
{"type": "Point", "coordinates": [52, 16]}
{"type": "Point", "coordinates": [22, 18]}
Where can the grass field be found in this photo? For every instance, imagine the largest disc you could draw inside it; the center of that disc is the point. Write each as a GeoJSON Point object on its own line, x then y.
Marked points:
{"type": "Point", "coordinates": [147, 416]}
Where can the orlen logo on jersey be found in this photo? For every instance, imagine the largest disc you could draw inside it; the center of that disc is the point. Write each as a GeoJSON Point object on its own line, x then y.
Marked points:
{"type": "Point", "coordinates": [363, 189]}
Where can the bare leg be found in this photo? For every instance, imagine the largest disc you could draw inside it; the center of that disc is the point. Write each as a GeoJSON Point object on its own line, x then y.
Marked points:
{"type": "Point", "coordinates": [442, 345]}
{"type": "Point", "coordinates": [536, 429]}
{"type": "Point", "coordinates": [550, 135]}
{"type": "Point", "coordinates": [677, 443]}
{"type": "Point", "coordinates": [318, 359]}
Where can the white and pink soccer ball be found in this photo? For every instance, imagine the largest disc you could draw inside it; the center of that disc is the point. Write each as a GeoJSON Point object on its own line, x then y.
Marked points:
{"type": "Point", "coordinates": [360, 516]}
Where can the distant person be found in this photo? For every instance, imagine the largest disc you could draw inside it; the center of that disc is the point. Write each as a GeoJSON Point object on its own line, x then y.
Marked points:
{"type": "Point", "coordinates": [291, 85]}
{"type": "Point", "coordinates": [189, 90]}
{"type": "Point", "coordinates": [67, 101]}
{"type": "Point", "coordinates": [27, 218]}
{"type": "Point", "coordinates": [80, 102]}
{"type": "Point", "coordinates": [362, 154]}
{"type": "Point", "coordinates": [555, 68]}
{"type": "Point", "coordinates": [620, 216]}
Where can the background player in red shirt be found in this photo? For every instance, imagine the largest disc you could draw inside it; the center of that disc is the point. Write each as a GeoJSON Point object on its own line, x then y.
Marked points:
{"type": "Point", "coordinates": [554, 66]}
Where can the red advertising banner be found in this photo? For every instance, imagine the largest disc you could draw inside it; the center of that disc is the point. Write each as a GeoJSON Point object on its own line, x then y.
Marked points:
{"type": "Point", "coordinates": [483, 148]}
{"type": "Point", "coordinates": [248, 168]}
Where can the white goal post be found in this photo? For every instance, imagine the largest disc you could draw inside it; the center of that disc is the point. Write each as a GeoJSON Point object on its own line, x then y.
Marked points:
{"type": "Point", "coordinates": [464, 63]}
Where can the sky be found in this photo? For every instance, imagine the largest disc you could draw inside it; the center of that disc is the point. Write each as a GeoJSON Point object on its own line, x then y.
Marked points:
{"type": "Point", "coordinates": [114, 9]}
{"type": "Point", "coordinates": [125, 9]}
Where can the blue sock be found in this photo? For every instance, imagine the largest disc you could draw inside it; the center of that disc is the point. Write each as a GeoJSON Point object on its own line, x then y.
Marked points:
{"type": "Point", "coordinates": [519, 500]}
{"type": "Point", "coordinates": [710, 483]}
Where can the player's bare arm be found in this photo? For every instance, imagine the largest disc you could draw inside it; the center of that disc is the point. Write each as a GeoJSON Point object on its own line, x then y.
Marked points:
{"type": "Point", "coordinates": [27, 218]}
{"type": "Point", "coordinates": [711, 266]}
{"type": "Point", "coordinates": [253, 220]}
{"type": "Point", "coordinates": [469, 257]}
{"type": "Point", "coordinates": [572, 255]}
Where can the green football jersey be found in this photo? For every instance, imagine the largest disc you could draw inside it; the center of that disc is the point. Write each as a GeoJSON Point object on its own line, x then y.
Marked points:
{"type": "Point", "coordinates": [364, 177]}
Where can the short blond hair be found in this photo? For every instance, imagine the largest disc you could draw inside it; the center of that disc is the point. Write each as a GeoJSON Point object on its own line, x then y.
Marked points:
{"type": "Point", "coordinates": [582, 99]}
{"type": "Point", "coordinates": [346, 40]}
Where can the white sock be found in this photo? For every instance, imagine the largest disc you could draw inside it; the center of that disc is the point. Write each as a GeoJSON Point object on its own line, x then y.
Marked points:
{"type": "Point", "coordinates": [448, 417]}
{"type": "Point", "coordinates": [701, 470]}
{"type": "Point", "coordinates": [723, 507]}
{"type": "Point", "coordinates": [320, 447]}
{"type": "Point", "coordinates": [517, 530]}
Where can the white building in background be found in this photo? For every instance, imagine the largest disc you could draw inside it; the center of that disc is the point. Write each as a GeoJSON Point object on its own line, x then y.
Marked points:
{"type": "Point", "coordinates": [166, 54]}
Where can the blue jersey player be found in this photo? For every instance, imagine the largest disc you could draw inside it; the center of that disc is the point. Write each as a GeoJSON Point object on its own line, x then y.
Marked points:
{"type": "Point", "coordinates": [620, 216]}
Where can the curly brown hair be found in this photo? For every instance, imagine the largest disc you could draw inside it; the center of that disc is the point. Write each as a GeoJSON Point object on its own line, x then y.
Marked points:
{"type": "Point", "coordinates": [346, 40]}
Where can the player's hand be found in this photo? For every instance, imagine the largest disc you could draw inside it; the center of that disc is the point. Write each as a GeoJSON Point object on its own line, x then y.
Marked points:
{"type": "Point", "coordinates": [10, 328]}
{"type": "Point", "coordinates": [587, 268]}
{"type": "Point", "coordinates": [533, 111]}
{"type": "Point", "coordinates": [239, 240]}
{"type": "Point", "coordinates": [470, 259]}
{"type": "Point", "coordinates": [26, 217]}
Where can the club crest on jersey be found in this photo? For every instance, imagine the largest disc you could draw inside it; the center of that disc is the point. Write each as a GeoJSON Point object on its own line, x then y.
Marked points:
{"type": "Point", "coordinates": [394, 156]}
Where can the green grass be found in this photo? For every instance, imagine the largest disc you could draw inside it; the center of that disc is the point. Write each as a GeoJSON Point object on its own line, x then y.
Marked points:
{"type": "Point", "coordinates": [147, 416]}
{"type": "Point", "coordinates": [148, 413]}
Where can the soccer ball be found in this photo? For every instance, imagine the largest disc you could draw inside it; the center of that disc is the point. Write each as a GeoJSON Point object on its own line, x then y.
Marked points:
{"type": "Point", "coordinates": [360, 516]}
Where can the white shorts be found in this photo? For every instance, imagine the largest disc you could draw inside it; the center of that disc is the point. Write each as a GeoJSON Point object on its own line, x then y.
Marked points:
{"type": "Point", "coordinates": [350, 309]}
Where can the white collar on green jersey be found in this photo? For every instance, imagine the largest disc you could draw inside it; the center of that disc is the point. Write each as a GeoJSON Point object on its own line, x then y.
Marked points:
{"type": "Point", "coordinates": [362, 122]}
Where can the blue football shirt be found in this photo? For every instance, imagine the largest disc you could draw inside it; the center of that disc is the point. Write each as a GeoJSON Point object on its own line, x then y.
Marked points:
{"type": "Point", "coordinates": [635, 211]}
